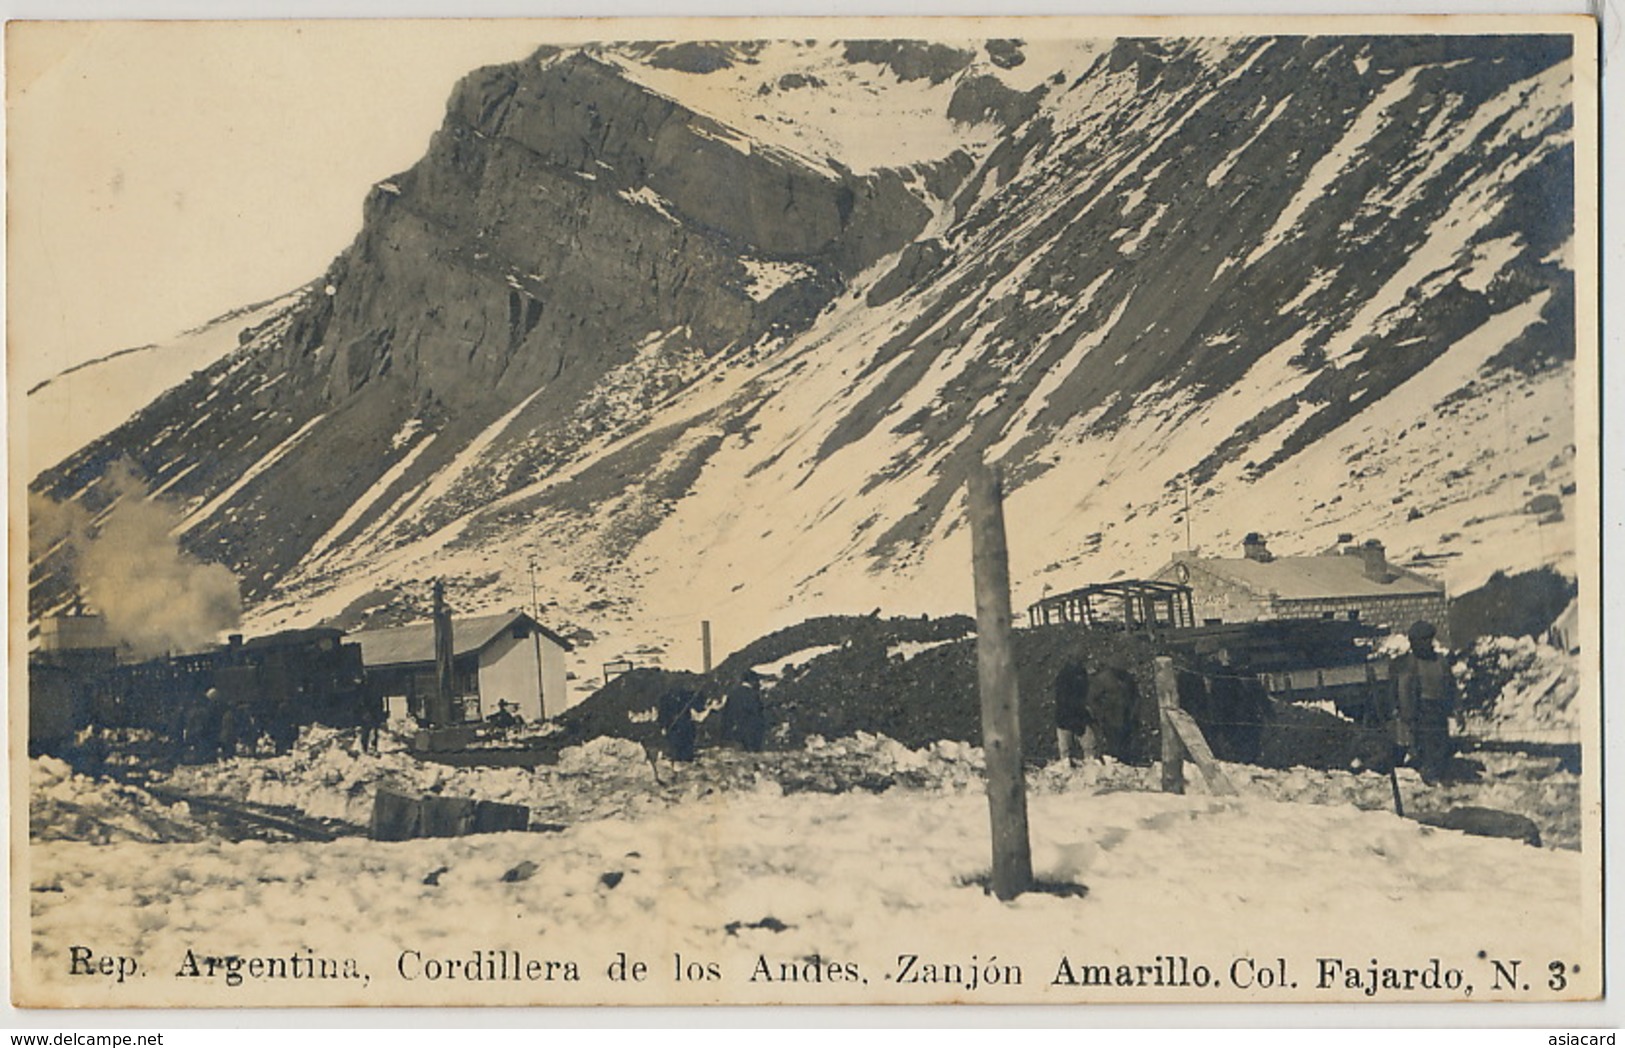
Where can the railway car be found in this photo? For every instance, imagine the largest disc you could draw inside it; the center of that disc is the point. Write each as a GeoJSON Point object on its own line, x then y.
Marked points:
{"type": "Point", "coordinates": [271, 685]}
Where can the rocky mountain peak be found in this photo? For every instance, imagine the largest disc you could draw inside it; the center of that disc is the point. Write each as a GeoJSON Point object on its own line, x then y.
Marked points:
{"type": "Point", "coordinates": [724, 324]}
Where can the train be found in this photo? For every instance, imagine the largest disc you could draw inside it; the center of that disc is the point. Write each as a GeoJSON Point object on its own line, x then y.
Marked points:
{"type": "Point", "coordinates": [271, 686]}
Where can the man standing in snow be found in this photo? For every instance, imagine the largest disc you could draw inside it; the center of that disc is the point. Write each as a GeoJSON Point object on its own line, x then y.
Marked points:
{"type": "Point", "coordinates": [744, 721]}
{"type": "Point", "coordinates": [676, 711]}
{"type": "Point", "coordinates": [203, 729]}
{"type": "Point", "coordinates": [231, 728]}
{"type": "Point", "coordinates": [1426, 695]}
{"type": "Point", "coordinates": [1073, 724]}
{"type": "Point", "coordinates": [373, 717]}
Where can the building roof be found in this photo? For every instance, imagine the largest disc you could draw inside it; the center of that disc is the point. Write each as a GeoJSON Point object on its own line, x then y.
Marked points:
{"type": "Point", "coordinates": [1314, 578]}
{"type": "Point", "coordinates": [403, 645]}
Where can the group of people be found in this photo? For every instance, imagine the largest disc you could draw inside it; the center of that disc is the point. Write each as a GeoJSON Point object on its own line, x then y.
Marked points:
{"type": "Point", "coordinates": [1091, 708]}
{"type": "Point", "coordinates": [217, 728]}
{"type": "Point", "coordinates": [1094, 709]}
{"type": "Point", "coordinates": [744, 718]}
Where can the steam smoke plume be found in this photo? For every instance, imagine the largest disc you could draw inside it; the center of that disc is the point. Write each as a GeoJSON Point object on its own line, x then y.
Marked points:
{"type": "Point", "coordinates": [154, 596]}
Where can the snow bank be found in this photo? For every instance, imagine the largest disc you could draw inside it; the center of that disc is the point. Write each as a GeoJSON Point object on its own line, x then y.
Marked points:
{"type": "Point", "coordinates": [65, 806]}
{"type": "Point", "coordinates": [1519, 689]}
{"type": "Point", "coordinates": [857, 878]}
{"type": "Point", "coordinates": [326, 778]}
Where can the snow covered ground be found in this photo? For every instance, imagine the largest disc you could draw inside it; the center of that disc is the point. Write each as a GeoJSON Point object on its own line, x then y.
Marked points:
{"type": "Point", "coordinates": [838, 862]}
{"type": "Point", "coordinates": [1538, 699]}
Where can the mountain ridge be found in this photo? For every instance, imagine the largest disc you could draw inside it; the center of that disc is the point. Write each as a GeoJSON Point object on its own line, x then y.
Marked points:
{"type": "Point", "coordinates": [1210, 258]}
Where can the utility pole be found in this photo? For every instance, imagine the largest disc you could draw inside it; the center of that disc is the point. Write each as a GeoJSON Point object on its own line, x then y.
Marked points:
{"type": "Point", "coordinates": [996, 678]}
{"type": "Point", "coordinates": [705, 645]}
{"type": "Point", "coordinates": [444, 656]}
{"type": "Point", "coordinates": [542, 711]}
{"type": "Point", "coordinates": [1187, 478]}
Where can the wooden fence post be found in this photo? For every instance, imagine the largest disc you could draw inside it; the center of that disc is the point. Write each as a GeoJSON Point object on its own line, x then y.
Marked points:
{"type": "Point", "coordinates": [996, 677]}
{"type": "Point", "coordinates": [1380, 711]}
{"type": "Point", "coordinates": [1173, 751]}
{"type": "Point", "coordinates": [1197, 749]}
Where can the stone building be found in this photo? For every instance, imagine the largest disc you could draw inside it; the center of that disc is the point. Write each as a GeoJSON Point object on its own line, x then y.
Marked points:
{"type": "Point", "coordinates": [1353, 582]}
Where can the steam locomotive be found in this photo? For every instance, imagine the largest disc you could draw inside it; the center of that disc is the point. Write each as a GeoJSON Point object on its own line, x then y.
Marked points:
{"type": "Point", "coordinates": [272, 685]}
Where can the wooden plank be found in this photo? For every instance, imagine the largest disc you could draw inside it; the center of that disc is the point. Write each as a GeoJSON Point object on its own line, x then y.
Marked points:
{"type": "Point", "coordinates": [996, 676]}
{"type": "Point", "coordinates": [1190, 733]}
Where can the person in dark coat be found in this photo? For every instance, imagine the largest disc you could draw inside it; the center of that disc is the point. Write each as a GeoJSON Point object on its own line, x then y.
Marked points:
{"type": "Point", "coordinates": [504, 717]}
{"type": "Point", "coordinates": [283, 728]}
{"type": "Point", "coordinates": [1074, 724]}
{"type": "Point", "coordinates": [231, 730]}
{"type": "Point", "coordinates": [373, 718]}
{"type": "Point", "coordinates": [676, 712]}
{"type": "Point", "coordinates": [1425, 696]}
{"type": "Point", "coordinates": [744, 721]}
{"type": "Point", "coordinates": [177, 733]}
{"type": "Point", "coordinates": [202, 731]}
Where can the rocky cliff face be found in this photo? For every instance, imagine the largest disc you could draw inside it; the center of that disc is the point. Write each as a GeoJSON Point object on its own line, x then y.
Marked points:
{"type": "Point", "coordinates": [564, 221]}
{"type": "Point", "coordinates": [723, 326]}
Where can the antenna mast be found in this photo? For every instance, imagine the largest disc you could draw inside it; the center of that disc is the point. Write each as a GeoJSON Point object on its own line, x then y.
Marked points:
{"type": "Point", "coordinates": [1187, 479]}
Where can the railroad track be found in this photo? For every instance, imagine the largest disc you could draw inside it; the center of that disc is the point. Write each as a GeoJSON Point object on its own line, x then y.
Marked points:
{"type": "Point", "coordinates": [259, 821]}
{"type": "Point", "coordinates": [245, 820]}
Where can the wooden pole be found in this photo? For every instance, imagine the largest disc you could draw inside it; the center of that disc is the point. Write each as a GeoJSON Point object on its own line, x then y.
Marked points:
{"type": "Point", "coordinates": [1173, 751]}
{"type": "Point", "coordinates": [1187, 513]}
{"type": "Point", "coordinates": [996, 677]}
{"type": "Point", "coordinates": [1201, 754]}
{"type": "Point", "coordinates": [1379, 712]}
{"type": "Point", "coordinates": [444, 660]}
{"type": "Point", "coordinates": [705, 645]}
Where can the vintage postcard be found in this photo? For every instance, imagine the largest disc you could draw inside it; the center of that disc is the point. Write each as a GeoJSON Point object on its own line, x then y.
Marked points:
{"type": "Point", "coordinates": [991, 511]}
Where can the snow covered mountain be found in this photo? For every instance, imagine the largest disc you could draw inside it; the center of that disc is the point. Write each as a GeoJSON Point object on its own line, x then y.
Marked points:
{"type": "Point", "coordinates": [75, 407]}
{"type": "Point", "coordinates": [715, 331]}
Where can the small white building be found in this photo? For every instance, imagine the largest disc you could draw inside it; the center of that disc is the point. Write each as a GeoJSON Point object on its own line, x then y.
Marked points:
{"type": "Point", "coordinates": [505, 656]}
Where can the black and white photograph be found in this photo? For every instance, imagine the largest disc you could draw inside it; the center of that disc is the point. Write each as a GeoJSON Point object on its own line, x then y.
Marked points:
{"type": "Point", "coordinates": [1020, 511]}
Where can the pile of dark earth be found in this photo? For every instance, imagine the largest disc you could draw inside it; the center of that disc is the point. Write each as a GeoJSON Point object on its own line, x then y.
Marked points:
{"type": "Point", "coordinates": [855, 680]}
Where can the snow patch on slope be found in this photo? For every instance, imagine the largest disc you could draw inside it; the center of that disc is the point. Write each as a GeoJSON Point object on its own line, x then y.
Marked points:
{"type": "Point", "coordinates": [66, 412]}
{"type": "Point", "coordinates": [271, 458]}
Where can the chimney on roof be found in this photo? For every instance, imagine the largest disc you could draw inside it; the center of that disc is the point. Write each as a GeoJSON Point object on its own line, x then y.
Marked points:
{"type": "Point", "coordinates": [1252, 547]}
{"type": "Point", "coordinates": [1376, 560]}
